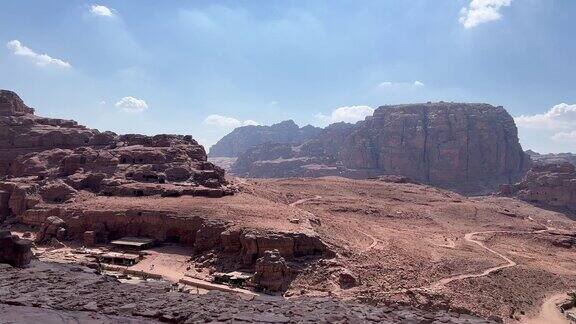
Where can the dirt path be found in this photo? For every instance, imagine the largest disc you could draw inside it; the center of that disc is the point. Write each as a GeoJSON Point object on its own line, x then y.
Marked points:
{"type": "Point", "coordinates": [549, 313]}
{"type": "Point", "coordinates": [372, 245]}
{"type": "Point", "coordinates": [469, 237]}
{"type": "Point", "coordinates": [301, 201]}
{"type": "Point", "coordinates": [304, 200]}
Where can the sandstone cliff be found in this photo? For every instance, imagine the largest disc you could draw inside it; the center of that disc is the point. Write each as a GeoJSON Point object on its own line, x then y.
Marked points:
{"type": "Point", "coordinates": [52, 160]}
{"type": "Point", "coordinates": [470, 148]}
{"type": "Point", "coordinates": [552, 157]}
{"type": "Point", "coordinates": [548, 185]}
{"type": "Point", "coordinates": [68, 180]}
{"type": "Point", "coordinates": [242, 138]}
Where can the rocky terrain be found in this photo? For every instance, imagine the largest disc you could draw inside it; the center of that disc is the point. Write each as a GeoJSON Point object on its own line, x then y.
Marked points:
{"type": "Point", "coordinates": [433, 248]}
{"type": "Point", "coordinates": [242, 138]}
{"type": "Point", "coordinates": [548, 184]}
{"type": "Point", "coordinates": [68, 293]}
{"type": "Point", "coordinates": [51, 160]}
{"type": "Point", "coordinates": [329, 249]}
{"type": "Point", "coordinates": [72, 182]}
{"type": "Point", "coordinates": [552, 158]}
{"type": "Point", "coordinates": [14, 251]}
{"type": "Point", "coordinates": [470, 148]}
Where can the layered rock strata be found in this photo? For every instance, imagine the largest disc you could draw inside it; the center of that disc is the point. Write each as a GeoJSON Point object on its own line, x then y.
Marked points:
{"type": "Point", "coordinates": [549, 185]}
{"type": "Point", "coordinates": [53, 161]}
{"type": "Point", "coordinates": [470, 148]}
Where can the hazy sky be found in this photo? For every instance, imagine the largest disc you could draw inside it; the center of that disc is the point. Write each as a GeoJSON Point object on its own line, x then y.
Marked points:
{"type": "Point", "coordinates": [205, 67]}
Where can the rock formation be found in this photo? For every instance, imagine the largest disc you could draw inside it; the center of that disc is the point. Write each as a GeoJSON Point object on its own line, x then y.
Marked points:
{"type": "Point", "coordinates": [272, 273]}
{"type": "Point", "coordinates": [548, 185]}
{"type": "Point", "coordinates": [470, 148]}
{"type": "Point", "coordinates": [47, 160]}
{"type": "Point", "coordinates": [14, 251]}
{"type": "Point", "coordinates": [242, 138]}
{"type": "Point", "coordinates": [55, 293]}
{"type": "Point", "coordinates": [52, 227]}
{"type": "Point", "coordinates": [552, 158]}
{"type": "Point", "coordinates": [69, 180]}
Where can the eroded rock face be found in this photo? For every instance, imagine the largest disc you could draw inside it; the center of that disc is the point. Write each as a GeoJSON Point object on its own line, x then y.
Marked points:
{"type": "Point", "coordinates": [54, 161]}
{"type": "Point", "coordinates": [470, 148]}
{"type": "Point", "coordinates": [552, 158]}
{"type": "Point", "coordinates": [242, 138]}
{"type": "Point", "coordinates": [52, 227]}
{"type": "Point", "coordinates": [54, 289]}
{"type": "Point", "coordinates": [552, 184]}
{"type": "Point", "coordinates": [272, 272]}
{"type": "Point", "coordinates": [14, 251]}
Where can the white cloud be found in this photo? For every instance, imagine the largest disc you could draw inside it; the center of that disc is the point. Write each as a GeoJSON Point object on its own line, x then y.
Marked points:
{"type": "Point", "coordinates": [99, 10]}
{"type": "Point", "coordinates": [561, 116]}
{"type": "Point", "coordinates": [390, 84]}
{"type": "Point", "coordinates": [385, 84]}
{"type": "Point", "coordinates": [40, 59]}
{"type": "Point", "coordinates": [227, 122]}
{"type": "Point", "coordinates": [131, 104]}
{"type": "Point", "coordinates": [482, 11]}
{"type": "Point", "coordinates": [349, 114]}
{"type": "Point", "coordinates": [565, 137]}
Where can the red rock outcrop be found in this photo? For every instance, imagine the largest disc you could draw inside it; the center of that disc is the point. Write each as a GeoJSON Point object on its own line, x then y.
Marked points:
{"type": "Point", "coordinates": [552, 157]}
{"type": "Point", "coordinates": [470, 148]}
{"type": "Point", "coordinates": [548, 185]}
{"type": "Point", "coordinates": [272, 273]}
{"type": "Point", "coordinates": [242, 138]}
{"type": "Point", "coordinates": [52, 166]}
{"type": "Point", "coordinates": [53, 161]}
{"type": "Point", "coordinates": [14, 251]}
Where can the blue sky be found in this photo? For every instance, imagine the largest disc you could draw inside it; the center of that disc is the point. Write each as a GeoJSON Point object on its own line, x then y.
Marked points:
{"type": "Point", "coordinates": [204, 67]}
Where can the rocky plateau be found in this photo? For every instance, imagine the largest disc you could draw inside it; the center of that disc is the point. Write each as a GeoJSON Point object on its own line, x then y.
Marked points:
{"type": "Point", "coordinates": [469, 148]}
{"type": "Point", "coordinates": [384, 241]}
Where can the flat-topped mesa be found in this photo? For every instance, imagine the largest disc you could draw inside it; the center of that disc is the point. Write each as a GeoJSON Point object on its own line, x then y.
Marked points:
{"type": "Point", "coordinates": [12, 105]}
{"type": "Point", "coordinates": [50, 161]}
{"type": "Point", "coordinates": [467, 147]}
{"type": "Point", "coordinates": [470, 148]}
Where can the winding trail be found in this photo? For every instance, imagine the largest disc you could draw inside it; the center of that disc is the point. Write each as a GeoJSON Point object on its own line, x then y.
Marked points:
{"type": "Point", "coordinates": [549, 312]}
{"type": "Point", "coordinates": [304, 200]}
{"type": "Point", "coordinates": [301, 201]}
{"type": "Point", "coordinates": [469, 237]}
{"type": "Point", "coordinates": [372, 245]}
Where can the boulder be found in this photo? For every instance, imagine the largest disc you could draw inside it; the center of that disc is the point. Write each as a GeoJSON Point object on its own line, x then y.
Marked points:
{"type": "Point", "coordinates": [14, 251]}
{"type": "Point", "coordinates": [57, 192]}
{"type": "Point", "coordinates": [347, 279]}
{"type": "Point", "coordinates": [272, 273]}
{"type": "Point", "coordinates": [52, 227]}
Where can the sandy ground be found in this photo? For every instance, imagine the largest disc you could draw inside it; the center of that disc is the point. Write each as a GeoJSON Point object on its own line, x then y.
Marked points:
{"type": "Point", "coordinates": [402, 243]}
{"type": "Point", "coordinates": [422, 245]}
{"type": "Point", "coordinates": [549, 313]}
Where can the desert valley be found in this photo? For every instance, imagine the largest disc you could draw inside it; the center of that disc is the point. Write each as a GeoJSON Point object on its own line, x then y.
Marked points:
{"type": "Point", "coordinates": [421, 213]}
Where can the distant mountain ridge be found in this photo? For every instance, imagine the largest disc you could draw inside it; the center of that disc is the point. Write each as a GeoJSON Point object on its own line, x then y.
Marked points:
{"type": "Point", "coordinates": [552, 157]}
{"type": "Point", "coordinates": [469, 148]}
{"type": "Point", "coordinates": [242, 138]}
